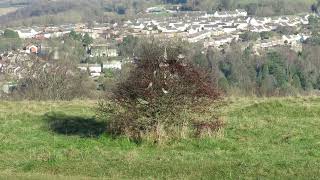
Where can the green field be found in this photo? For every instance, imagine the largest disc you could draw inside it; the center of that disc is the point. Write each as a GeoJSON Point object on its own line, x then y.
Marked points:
{"type": "Point", "coordinates": [276, 138]}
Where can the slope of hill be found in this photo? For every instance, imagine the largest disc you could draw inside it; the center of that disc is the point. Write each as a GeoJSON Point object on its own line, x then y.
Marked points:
{"type": "Point", "coordinates": [49, 10]}
{"type": "Point", "coordinates": [263, 138]}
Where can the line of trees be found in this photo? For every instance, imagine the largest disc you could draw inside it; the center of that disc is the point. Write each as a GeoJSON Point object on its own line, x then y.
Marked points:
{"type": "Point", "coordinates": [277, 72]}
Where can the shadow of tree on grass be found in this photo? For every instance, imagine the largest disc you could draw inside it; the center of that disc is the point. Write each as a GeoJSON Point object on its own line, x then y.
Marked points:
{"type": "Point", "coordinates": [61, 123]}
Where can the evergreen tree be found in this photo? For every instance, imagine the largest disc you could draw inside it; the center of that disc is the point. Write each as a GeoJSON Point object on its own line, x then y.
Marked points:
{"type": "Point", "coordinates": [268, 85]}
{"type": "Point", "coordinates": [87, 40]}
{"type": "Point", "coordinates": [75, 36]}
{"type": "Point", "coordinates": [296, 82]}
{"type": "Point", "coordinates": [264, 72]}
{"type": "Point", "coordinates": [277, 69]}
{"type": "Point", "coordinates": [8, 33]}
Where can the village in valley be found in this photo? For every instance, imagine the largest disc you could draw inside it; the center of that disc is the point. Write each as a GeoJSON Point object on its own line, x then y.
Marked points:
{"type": "Point", "coordinates": [217, 30]}
{"type": "Point", "coordinates": [159, 89]}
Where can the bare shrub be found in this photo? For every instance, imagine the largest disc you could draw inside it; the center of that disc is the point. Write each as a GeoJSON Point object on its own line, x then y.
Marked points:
{"type": "Point", "coordinates": [44, 81]}
{"type": "Point", "coordinates": [161, 89]}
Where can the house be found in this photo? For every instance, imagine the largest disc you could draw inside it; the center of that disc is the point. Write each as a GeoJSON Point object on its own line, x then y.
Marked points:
{"type": "Point", "coordinates": [193, 38]}
{"type": "Point", "coordinates": [112, 64]}
{"type": "Point", "coordinates": [181, 26]}
{"type": "Point", "coordinates": [169, 29]}
{"type": "Point", "coordinates": [268, 43]}
{"type": "Point", "coordinates": [155, 10]}
{"type": "Point", "coordinates": [112, 52]}
{"type": "Point", "coordinates": [94, 35]}
{"type": "Point", "coordinates": [284, 19]}
{"type": "Point", "coordinates": [254, 22]}
{"type": "Point", "coordinates": [221, 40]}
{"type": "Point", "coordinates": [102, 51]}
{"type": "Point", "coordinates": [222, 14]}
{"type": "Point", "coordinates": [137, 27]}
{"type": "Point", "coordinates": [217, 31]}
{"type": "Point", "coordinates": [229, 29]}
{"type": "Point", "coordinates": [32, 49]}
{"type": "Point", "coordinates": [241, 24]}
{"type": "Point", "coordinates": [66, 29]}
{"type": "Point", "coordinates": [194, 29]}
{"type": "Point", "coordinates": [26, 33]}
{"type": "Point", "coordinates": [94, 70]}
{"type": "Point", "coordinates": [272, 26]}
{"type": "Point", "coordinates": [242, 12]}
{"type": "Point", "coordinates": [260, 29]}
{"type": "Point", "coordinates": [58, 34]}
{"type": "Point", "coordinates": [290, 39]}
{"type": "Point", "coordinates": [209, 27]}
{"type": "Point", "coordinates": [293, 23]}
{"type": "Point", "coordinates": [228, 14]}
{"type": "Point", "coordinates": [222, 24]}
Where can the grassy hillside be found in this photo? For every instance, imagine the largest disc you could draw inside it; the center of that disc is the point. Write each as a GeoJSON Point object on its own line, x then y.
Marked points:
{"type": "Point", "coordinates": [266, 138]}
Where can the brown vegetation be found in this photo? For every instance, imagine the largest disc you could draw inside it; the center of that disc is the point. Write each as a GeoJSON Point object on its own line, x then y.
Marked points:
{"type": "Point", "coordinates": [162, 89]}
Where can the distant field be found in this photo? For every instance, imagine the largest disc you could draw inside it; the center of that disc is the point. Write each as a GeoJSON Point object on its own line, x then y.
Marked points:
{"type": "Point", "coordinates": [276, 138]}
{"type": "Point", "coordinates": [254, 1]}
{"type": "Point", "coordinates": [4, 11]}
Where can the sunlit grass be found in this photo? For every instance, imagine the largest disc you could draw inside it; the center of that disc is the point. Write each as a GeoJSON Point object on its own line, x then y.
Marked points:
{"type": "Point", "coordinates": [263, 138]}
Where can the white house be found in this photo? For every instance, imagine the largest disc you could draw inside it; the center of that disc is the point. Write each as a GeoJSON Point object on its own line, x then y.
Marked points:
{"type": "Point", "coordinates": [26, 33]}
{"type": "Point", "coordinates": [138, 27]}
{"type": "Point", "coordinates": [254, 22]}
{"type": "Point", "coordinates": [209, 27]}
{"type": "Point", "coordinates": [230, 14]}
{"type": "Point", "coordinates": [112, 65]}
{"type": "Point", "coordinates": [181, 26]}
{"type": "Point", "coordinates": [242, 12]}
{"type": "Point", "coordinates": [260, 29]}
{"type": "Point", "coordinates": [168, 29]}
{"type": "Point", "coordinates": [268, 43]}
{"type": "Point", "coordinates": [217, 31]}
{"type": "Point", "coordinates": [194, 29]}
{"type": "Point", "coordinates": [112, 52]}
{"type": "Point", "coordinates": [193, 38]}
{"type": "Point", "coordinates": [221, 40]}
{"type": "Point", "coordinates": [229, 29]}
{"type": "Point", "coordinates": [102, 50]}
{"type": "Point", "coordinates": [222, 14]}
{"type": "Point", "coordinates": [95, 70]}
{"type": "Point", "coordinates": [294, 38]}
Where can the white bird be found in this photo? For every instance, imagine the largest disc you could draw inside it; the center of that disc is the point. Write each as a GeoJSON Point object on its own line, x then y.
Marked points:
{"type": "Point", "coordinates": [164, 91]}
{"type": "Point", "coordinates": [150, 85]}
